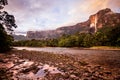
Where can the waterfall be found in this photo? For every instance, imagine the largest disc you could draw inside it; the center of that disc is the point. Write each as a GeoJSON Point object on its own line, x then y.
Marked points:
{"type": "Point", "coordinates": [96, 18]}
{"type": "Point", "coordinates": [93, 24]}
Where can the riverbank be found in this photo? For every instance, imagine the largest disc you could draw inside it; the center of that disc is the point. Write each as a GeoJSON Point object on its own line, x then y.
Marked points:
{"type": "Point", "coordinates": [44, 65]}
{"type": "Point", "coordinates": [108, 48]}
{"type": "Point", "coordinates": [105, 48]}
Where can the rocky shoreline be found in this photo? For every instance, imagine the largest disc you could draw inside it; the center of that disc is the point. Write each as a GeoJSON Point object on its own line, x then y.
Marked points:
{"type": "Point", "coordinates": [33, 65]}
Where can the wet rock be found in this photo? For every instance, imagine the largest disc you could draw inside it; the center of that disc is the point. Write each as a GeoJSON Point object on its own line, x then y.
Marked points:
{"type": "Point", "coordinates": [5, 75]}
{"type": "Point", "coordinates": [57, 76]}
{"type": "Point", "coordinates": [2, 61]}
{"type": "Point", "coordinates": [32, 68]}
{"type": "Point", "coordinates": [67, 67]}
{"type": "Point", "coordinates": [108, 72]}
{"type": "Point", "coordinates": [117, 78]}
{"type": "Point", "coordinates": [83, 63]}
{"type": "Point", "coordinates": [72, 76]}
{"type": "Point", "coordinates": [66, 76]}
{"type": "Point", "coordinates": [87, 74]}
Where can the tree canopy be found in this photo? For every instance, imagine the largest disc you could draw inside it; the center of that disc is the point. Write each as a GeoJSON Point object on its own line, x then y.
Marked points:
{"type": "Point", "coordinates": [7, 23]}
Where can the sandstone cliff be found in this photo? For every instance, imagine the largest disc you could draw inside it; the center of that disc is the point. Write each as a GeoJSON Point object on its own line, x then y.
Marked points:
{"type": "Point", "coordinates": [102, 18]}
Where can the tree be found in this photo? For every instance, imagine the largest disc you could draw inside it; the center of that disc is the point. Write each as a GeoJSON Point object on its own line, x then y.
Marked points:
{"type": "Point", "coordinates": [5, 40]}
{"type": "Point", "coordinates": [114, 36]}
{"type": "Point", "coordinates": [7, 23]}
{"type": "Point", "coordinates": [3, 3]}
{"type": "Point", "coordinates": [100, 39]}
{"type": "Point", "coordinates": [81, 39]}
{"type": "Point", "coordinates": [88, 40]}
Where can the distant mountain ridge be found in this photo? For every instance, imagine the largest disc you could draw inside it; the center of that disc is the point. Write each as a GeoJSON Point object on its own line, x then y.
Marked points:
{"type": "Point", "coordinates": [104, 17]}
{"type": "Point", "coordinates": [19, 37]}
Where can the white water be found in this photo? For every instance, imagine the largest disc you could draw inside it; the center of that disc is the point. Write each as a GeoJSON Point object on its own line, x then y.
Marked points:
{"type": "Point", "coordinates": [94, 23]}
{"type": "Point", "coordinates": [96, 18]}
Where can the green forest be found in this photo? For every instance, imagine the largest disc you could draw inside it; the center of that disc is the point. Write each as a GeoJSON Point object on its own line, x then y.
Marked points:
{"type": "Point", "coordinates": [106, 36]}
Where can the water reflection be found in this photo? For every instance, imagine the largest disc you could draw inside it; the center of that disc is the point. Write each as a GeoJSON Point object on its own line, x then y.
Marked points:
{"type": "Point", "coordinates": [24, 69]}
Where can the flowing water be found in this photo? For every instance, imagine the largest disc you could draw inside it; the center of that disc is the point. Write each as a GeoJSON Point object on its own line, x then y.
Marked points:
{"type": "Point", "coordinates": [60, 50]}
{"type": "Point", "coordinates": [101, 57]}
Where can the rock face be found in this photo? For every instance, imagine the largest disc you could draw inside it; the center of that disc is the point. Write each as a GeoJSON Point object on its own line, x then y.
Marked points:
{"type": "Point", "coordinates": [104, 17]}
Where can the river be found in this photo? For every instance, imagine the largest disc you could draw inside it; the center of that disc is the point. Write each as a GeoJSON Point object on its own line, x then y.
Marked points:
{"type": "Point", "coordinates": [60, 50]}
{"type": "Point", "coordinates": [101, 57]}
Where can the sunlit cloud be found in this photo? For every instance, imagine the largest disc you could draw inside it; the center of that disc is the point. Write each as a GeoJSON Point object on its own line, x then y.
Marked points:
{"type": "Point", "coordinates": [51, 14]}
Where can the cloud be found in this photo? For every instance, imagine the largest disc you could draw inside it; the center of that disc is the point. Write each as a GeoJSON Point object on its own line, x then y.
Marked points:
{"type": "Point", "coordinates": [27, 8]}
{"type": "Point", "coordinates": [26, 11]}
{"type": "Point", "coordinates": [50, 14]}
{"type": "Point", "coordinates": [82, 9]}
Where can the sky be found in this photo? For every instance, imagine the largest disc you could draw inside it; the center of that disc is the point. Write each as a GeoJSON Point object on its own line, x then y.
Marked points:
{"type": "Point", "coordinates": [37, 15]}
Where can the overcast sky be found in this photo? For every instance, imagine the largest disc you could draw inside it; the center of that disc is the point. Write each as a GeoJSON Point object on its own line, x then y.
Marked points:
{"type": "Point", "coordinates": [51, 14]}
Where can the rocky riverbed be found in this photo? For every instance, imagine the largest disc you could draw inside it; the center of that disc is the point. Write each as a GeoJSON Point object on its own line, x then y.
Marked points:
{"type": "Point", "coordinates": [33, 65]}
